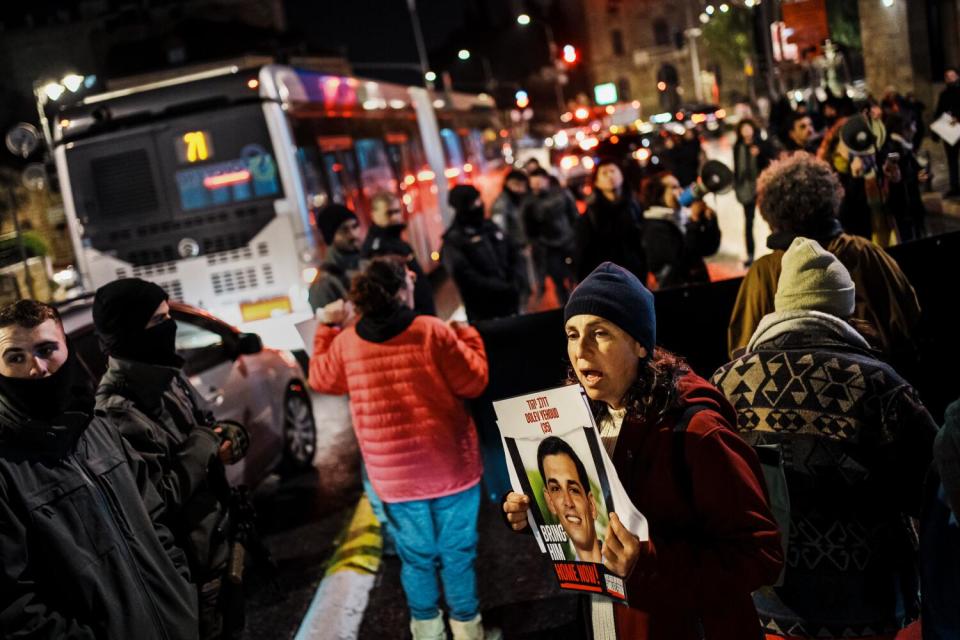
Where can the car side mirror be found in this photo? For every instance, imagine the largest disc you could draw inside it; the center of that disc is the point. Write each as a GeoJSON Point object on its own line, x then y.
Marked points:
{"type": "Point", "coordinates": [249, 344]}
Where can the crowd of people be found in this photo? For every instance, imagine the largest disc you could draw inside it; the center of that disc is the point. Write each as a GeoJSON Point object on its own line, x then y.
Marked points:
{"type": "Point", "coordinates": [116, 515]}
{"type": "Point", "coordinates": [822, 342]}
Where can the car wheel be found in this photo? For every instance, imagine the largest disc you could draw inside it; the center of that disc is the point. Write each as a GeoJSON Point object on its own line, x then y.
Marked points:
{"type": "Point", "coordinates": [299, 429]}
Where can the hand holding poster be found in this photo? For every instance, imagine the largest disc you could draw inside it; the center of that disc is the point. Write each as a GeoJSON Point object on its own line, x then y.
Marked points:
{"type": "Point", "coordinates": [554, 456]}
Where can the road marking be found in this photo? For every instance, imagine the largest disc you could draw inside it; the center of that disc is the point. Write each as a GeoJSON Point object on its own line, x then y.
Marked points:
{"type": "Point", "coordinates": [341, 598]}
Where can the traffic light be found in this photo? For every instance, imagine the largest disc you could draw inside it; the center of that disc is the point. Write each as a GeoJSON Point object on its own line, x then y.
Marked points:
{"type": "Point", "coordinates": [570, 54]}
{"type": "Point", "coordinates": [523, 100]}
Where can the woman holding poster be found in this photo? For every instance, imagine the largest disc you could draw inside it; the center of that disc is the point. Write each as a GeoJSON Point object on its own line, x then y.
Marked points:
{"type": "Point", "coordinates": [712, 538]}
{"type": "Point", "coordinates": [407, 376]}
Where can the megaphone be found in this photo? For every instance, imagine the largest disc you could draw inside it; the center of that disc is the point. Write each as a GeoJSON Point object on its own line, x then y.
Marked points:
{"type": "Point", "coordinates": [858, 136]}
{"type": "Point", "coordinates": [715, 177]}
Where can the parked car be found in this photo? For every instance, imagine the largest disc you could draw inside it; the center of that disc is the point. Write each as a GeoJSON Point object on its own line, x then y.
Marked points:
{"type": "Point", "coordinates": [261, 388]}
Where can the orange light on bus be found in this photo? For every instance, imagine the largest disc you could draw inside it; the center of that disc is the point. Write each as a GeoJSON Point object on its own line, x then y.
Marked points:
{"type": "Point", "coordinates": [698, 118]}
{"type": "Point", "coordinates": [409, 179]}
{"type": "Point", "coordinates": [451, 173]}
{"type": "Point", "coordinates": [253, 83]}
{"type": "Point", "coordinates": [569, 162]}
{"type": "Point", "coordinates": [467, 168]}
{"type": "Point", "coordinates": [425, 175]}
{"type": "Point", "coordinates": [721, 113]}
{"type": "Point", "coordinates": [226, 179]}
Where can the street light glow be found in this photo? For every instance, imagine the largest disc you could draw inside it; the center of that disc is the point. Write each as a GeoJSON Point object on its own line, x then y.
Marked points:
{"type": "Point", "coordinates": [72, 82]}
{"type": "Point", "coordinates": [709, 9]}
{"type": "Point", "coordinates": [523, 19]}
{"type": "Point", "coordinates": [704, 18]}
{"type": "Point", "coordinates": [724, 8]}
{"type": "Point", "coordinates": [430, 76]}
{"type": "Point", "coordinates": [53, 90]}
{"type": "Point", "coordinates": [463, 54]}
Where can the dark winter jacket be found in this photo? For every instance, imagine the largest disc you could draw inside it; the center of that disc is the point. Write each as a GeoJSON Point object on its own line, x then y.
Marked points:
{"type": "Point", "coordinates": [611, 231]}
{"type": "Point", "coordinates": [483, 263]}
{"type": "Point", "coordinates": [158, 414]}
{"type": "Point", "coordinates": [948, 102]}
{"type": "Point", "coordinates": [507, 213]}
{"type": "Point", "coordinates": [387, 241]}
{"type": "Point", "coordinates": [715, 542]}
{"type": "Point", "coordinates": [333, 278]}
{"type": "Point", "coordinates": [83, 550]}
{"type": "Point", "coordinates": [856, 444]}
{"type": "Point", "coordinates": [675, 246]}
{"type": "Point", "coordinates": [550, 219]}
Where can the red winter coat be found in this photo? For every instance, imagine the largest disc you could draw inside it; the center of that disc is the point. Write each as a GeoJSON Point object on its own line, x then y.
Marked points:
{"type": "Point", "coordinates": [710, 555]}
{"type": "Point", "coordinates": [416, 437]}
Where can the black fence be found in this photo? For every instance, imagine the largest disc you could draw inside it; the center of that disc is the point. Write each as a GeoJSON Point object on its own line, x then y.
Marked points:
{"type": "Point", "coordinates": [528, 353]}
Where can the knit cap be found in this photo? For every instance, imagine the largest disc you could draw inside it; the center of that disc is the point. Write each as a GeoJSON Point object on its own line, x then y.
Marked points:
{"type": "Point", "coordinates": [613, 293]}
{"type": "Point", "coordinates": [812, 279]}
{"type": "Point", "coordinates": [330, 218]}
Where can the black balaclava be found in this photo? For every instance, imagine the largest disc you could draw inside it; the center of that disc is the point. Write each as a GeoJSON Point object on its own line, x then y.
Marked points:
{"type": "Point", "coordinates": [121, 310]}
{"type": "Point", "coordinates": [43, 398]}
{"type": "Point", "coordinates": [463, 198]}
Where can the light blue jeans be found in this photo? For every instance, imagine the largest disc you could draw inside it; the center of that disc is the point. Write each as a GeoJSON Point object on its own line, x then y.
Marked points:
{"type": "Point", "coordinates": [440, 532]}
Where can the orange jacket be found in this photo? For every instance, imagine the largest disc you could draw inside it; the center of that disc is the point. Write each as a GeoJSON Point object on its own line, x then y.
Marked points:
{"type": "Point", "coordinates": [406, 400]}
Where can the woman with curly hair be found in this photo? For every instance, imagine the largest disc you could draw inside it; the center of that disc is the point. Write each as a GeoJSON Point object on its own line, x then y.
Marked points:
{"type": "Point", "coordinates": [713, 539]}
{"type": "Point", "coordinates": [407, 376]}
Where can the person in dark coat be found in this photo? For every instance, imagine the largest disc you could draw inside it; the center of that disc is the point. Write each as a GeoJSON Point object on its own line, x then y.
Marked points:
{"type": "Point", "coordinates": [507, 213]}
{"type": "Point", "coordinates": [481, 259]}
{"type": "Point", "coordinates": [856, 442]}
{"type": "Point", "coordinates": [751, 155]}
{"type": "Point", "coordinates": [340, 229]}
{"type": "Point", "coordinates": [713, 539]}
{"type": "Point", "coordinates": [904, 199]}
{"type": "Point", "coordinates": [949, 102]}
{"type": "Point", "coordinates": [85, 551]}
{"type": "Point", "coordinates": [676, 239]}
{"type": "Point", "coordinates": [612, 228]}
{"type": "Point", "coordinates": [147, 397]}
{"type": "Point", "coordinates": [550, 217]}
{"type": "Point", "coordinates": [385, 238]}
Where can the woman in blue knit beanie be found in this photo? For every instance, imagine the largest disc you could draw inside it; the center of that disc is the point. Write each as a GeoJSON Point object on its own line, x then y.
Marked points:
{"type": "Point", "coordinates": [668, 431]}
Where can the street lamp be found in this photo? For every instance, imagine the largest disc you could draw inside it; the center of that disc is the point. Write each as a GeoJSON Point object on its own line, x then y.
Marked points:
{"type": "Point", "coordinates": [523, 19]}
{"type": "Point", "coordinates": [463, 54]}
{"type": "Point", "coordinates": [430, 76]}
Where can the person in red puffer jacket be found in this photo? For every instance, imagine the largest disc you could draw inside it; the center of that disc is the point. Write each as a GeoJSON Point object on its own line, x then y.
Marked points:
{"type": "Point", "coordinates": [712, 539]}
{"type": "Point", "coordinates": [407, 376]}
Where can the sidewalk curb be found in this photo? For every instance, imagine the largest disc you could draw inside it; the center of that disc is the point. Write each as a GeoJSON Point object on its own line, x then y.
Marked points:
{"type": "Point", "coordinates": [337, 608]}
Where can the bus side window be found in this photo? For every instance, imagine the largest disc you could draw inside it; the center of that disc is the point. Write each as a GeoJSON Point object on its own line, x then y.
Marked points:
{"type": "Point", "coordinates": [376, 173]}
{"type": "Point", "coordinates": [453, 152]}
{"type": "Point", "coordinates": [341, 172]}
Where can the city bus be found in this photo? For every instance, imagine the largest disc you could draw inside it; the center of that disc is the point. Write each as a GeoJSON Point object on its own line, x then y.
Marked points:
{"type": "Point", "coordinates": [208, 184]}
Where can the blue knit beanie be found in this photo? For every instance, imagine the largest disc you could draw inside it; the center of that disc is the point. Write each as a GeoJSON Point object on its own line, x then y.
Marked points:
{"type": "Point", "coordinates": [615, 294]}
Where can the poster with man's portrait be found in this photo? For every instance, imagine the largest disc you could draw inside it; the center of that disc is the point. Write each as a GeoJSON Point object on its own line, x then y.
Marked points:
{"type": "Point", "coordinates": [555, 456]}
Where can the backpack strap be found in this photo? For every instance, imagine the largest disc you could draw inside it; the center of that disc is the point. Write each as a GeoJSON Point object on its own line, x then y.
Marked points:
{"type": "Point", "coordinates": [681, 471]}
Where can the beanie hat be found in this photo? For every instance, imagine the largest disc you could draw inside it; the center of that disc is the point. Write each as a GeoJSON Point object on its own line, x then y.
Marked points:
{"type": "Point", "coordinates": [121, 310]}
{"type": "Point", "coordinates": [462, 197]}
{"type": "Point", "coordinates": [330, 218]}
{"type": "Point", "coordinates": [812, 279]}
{"type": "Point", "coordinates": [615, 294]}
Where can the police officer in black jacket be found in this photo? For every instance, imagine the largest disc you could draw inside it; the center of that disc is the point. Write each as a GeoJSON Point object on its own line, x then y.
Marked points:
{"type": "Point", "coordinates": [84, 553]}
{"type": "Point", "coordinates": [146, 395]}
{"type": "Point", "coordinates": [481, 259]}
